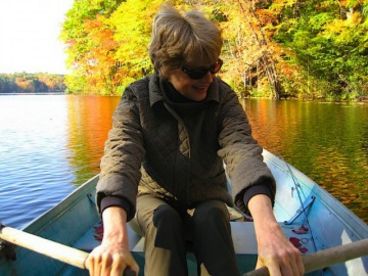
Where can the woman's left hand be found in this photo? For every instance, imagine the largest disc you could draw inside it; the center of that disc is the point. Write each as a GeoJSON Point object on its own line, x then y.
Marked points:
{"type": "Point", "coordinates": [279, 255]}
{"type": "Point", "coordinates": [275, 251]}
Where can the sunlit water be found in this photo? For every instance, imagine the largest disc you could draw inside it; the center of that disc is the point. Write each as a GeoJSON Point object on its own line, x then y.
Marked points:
{"type": "Point", "coordinates": [51, 144]}
{"type": "Point", "coordinates": [48, 146]}
{"type": "Point", "coordinates": [326, 141]}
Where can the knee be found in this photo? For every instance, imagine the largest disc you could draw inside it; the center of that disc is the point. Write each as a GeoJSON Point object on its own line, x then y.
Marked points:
{"type": "Point", "coordinates": [211, 212]}
{"type": "Point", "coordinates": [166, 217]}
{"type": "Point", "coordinates": [166, 229]}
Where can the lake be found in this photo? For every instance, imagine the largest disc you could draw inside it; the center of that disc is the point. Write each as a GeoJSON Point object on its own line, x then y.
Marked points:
{"type": "Point", "coordinates": [51, 144]}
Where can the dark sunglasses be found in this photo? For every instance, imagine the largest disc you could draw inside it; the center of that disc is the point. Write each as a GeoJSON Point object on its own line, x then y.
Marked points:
{"type": "Point", "coordinates": [198, 73]}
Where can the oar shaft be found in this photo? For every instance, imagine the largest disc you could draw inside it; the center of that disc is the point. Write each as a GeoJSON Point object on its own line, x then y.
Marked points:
{"type": "Point", "coordinates": [336, 255]}
{"type": "Point", "coordinates": [327, 257]}
{"type": "Point", "coordinates": [43, 246]}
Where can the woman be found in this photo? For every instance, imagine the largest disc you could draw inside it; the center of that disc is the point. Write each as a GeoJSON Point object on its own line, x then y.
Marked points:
{"type": "Point", "coordinates": [163, 163]}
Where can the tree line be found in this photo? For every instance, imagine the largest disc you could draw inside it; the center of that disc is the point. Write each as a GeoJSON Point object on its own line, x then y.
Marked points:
{"type": "Point", "coordinates": [31, 83]}
{"type": "Point", "coordinates": [293, 48]}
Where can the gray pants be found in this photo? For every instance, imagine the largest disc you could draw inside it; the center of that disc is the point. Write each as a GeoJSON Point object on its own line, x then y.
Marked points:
{"type": "Point", "coordinates": [170, 231]}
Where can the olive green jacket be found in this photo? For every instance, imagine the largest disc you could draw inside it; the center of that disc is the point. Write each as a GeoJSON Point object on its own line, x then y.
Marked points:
{"type": "Point", "coordinates": [149, 149]}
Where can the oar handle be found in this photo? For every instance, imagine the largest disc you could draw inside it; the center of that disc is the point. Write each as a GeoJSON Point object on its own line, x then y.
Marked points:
{"type": "Point", "coordinates": [55, 250]}
{"type": "Point", "coordinates": [327, 257]}
{"type": "Point", "coordinates": [66, 254]}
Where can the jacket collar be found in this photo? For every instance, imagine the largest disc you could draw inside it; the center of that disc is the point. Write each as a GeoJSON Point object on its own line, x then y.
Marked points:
{"type": "Point", "coordinates": [156, 95]}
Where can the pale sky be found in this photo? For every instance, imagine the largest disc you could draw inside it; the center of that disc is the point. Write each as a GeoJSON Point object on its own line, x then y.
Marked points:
{"type": "Point", "coordinates": [29, 35]}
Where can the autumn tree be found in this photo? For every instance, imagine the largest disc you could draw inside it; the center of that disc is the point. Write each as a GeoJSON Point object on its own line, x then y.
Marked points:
{"type": "Point", "coordinates": [89, 37]}
{"type": "Point", "coordinates": [278, 48]}
{"type": "Point", "coordinates": [132, 23]}
{"type": "Point", "coordinates": [31, 83]}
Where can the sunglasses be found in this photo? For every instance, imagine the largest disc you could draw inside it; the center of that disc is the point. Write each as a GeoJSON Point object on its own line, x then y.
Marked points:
{"type": "Point", "coordinates": [200, 72]}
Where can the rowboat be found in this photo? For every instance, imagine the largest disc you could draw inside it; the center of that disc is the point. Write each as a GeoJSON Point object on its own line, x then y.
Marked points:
{"type": "Point", "coordinates": [311, 218]}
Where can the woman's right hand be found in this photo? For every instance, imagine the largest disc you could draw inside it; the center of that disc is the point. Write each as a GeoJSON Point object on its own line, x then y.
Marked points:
{"type": "Point", "coordinates": [111, 259]}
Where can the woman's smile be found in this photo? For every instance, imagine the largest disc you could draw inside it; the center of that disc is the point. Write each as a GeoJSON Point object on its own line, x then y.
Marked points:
{"type": "Point", "coordinates": [195, 90]}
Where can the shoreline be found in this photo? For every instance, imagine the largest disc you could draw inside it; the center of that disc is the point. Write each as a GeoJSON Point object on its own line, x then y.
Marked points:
{"type": "Point", "coordinates": [31, 94]}
{"type": "Point", "coordinates": [360, 100]}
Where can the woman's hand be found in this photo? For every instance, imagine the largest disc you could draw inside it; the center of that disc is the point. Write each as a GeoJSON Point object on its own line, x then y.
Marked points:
{"type": "Point", "coordinates": [112, 257]}
{"type": "Point", "coordinates": [274, 250]}
{"type": "Point", "coordinates": [277, 253]}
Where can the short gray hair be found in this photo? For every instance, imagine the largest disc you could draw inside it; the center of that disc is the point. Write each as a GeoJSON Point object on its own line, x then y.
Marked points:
{"type": "Point", "coordinates": [179, 39]}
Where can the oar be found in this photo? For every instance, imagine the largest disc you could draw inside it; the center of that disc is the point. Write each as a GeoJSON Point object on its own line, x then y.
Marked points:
{"type": "Point", "coordinates": [76, 257]}
{"type": "Point", "coordinates": [327, 257]}
{"type": "Point", "coordinates": [55, 250]}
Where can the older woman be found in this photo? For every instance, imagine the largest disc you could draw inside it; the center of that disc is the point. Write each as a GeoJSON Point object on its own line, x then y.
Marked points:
{"type": "Point", "coordinates": [163, 163]}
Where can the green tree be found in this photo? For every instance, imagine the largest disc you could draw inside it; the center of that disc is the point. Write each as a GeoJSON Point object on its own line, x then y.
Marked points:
{"type": "Point", "coordinates": [328, 40]}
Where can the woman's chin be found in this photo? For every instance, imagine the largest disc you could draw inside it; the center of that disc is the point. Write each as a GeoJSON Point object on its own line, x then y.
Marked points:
{"type": "Point", "coordinates": [199, 95]}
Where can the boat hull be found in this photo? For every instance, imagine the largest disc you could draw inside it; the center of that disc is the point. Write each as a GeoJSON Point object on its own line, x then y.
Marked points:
{"type": "Point", "coordinates": [310, 217]}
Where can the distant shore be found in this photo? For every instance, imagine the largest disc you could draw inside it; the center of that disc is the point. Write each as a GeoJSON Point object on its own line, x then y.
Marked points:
{"type": "Point", "coordinates": [362, 99]}
{"type": "Point", "coordinates": [26, 93]}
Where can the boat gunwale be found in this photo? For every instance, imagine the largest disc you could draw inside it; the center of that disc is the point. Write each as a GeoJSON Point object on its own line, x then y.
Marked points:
{"type": "Point", "coordinates": [62, 207]}
{"type": "Point", "coordinates": [347, 217]}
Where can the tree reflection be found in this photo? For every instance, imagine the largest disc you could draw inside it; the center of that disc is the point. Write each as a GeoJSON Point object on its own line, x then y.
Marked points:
{"type": "Point", "coordinates": [326, 141]}
{"type": "Point", "coordinates": [89, 119]}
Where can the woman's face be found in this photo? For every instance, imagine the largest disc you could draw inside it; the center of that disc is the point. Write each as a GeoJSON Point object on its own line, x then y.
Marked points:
{"type": "Point", "coordinates": [193, 81]}
{"type": "Point", "coordinates": [193, 89]}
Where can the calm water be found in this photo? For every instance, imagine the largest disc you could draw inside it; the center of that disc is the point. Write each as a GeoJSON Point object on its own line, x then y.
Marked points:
{"type": "Point", "coordinates": [51, 144]}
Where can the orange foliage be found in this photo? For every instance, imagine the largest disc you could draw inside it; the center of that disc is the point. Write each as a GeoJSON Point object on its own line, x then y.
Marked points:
{"type": "Point", "coordinates": [100, 60]}
{"type": "Point", "coordinates": [23, 83]}
{"type": "Point", "coordinates": [266, 16]}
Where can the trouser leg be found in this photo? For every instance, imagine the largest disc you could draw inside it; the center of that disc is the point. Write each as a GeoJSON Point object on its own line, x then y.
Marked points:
{"type": "Point", "coordinates": [212, 240]}
{"type": "Point", "coordinates": [162, 225]}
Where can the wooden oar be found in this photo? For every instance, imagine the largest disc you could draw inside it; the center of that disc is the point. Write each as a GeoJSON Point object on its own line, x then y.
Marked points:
{"type": "Point", "coordinates": [66, 254]}
{"type": "Point", "coordinates": [327, 257]}
{"type": "Point", "coordinates": [55, 250]}
{"type": "Point", "coordinates": [76, 257]}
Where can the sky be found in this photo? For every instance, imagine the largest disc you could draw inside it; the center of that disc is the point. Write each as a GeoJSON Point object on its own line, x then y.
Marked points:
{"type": "Point", "coordinates": [29, 35]}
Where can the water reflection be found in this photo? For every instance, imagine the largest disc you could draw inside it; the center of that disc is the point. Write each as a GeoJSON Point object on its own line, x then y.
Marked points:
{"type": "Point", "coordinates": [326, 141]}
{"type": "Point", "coordinates": [90, 119]}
